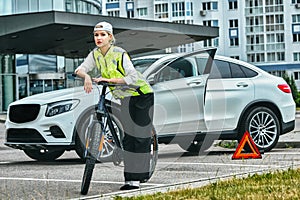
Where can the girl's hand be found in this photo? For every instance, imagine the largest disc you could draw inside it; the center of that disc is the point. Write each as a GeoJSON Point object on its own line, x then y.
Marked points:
{"type": "Point", "coordinates": [88, 86]}
{"type": "Point", "coordinates": [109, 80]}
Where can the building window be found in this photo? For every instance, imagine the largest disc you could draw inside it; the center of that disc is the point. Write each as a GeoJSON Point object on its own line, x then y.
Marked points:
{"type": "Point", "coordinates": [189, 21]}
{"type": "Point", "coordinates": [212, 23]}
{"type": "Point", "coordinates": [280, 56]}
{"type": "Point", "coordinates": [295, 1]}
{"type": "Point", "coordinates": [296, 32]}
{"type": "Point", "coordinates": [234, 32]}
{"type": "Point", "coordinates": [130, 9]}
{"type": "Point", "coordinates": [161, 11]}
{"type": "Point", "coordinates": [216, 42]}
{"type": "Point", "coordinates": [235, 57]}
{"type": "Point", "coordinates": [178, 9]}
{"type": "Point", "coordinates": [45, 5]}
{"type": "Point", "coordinates": [189, 9]}
{"type": "Point", "coordinates": [234, 42]}
{"type": "Point", "coordinates": [233, 4]}
{"type": "Point", "coordinates": [22, 6]}
{"type": "Point", "coordinates": [296, 18]}
{"type": "Point", "coordinates": [296, 75]}
{"type": "Point", "coordinates": [296, 56]}
{"type": "Point", "coordinates": [271, 57]}
{"type": "Point", "coordinates": [142, 12]}
{"type": "Point", "coordinates": [296, 28]}
{"type": "Point", "coordinates": [256, 57]}
{"type": "Point", "coordinates": [278, 73]}
{"type": "Point", "coordinates": [210, 5]}
{"type": "Point", "coordinates": [115, 13]}
{"type": "Point", "coordinates": [211, 42]}
{"type": "Point", "coordinates": [275, 56]}
{"type": "Point", "coordinates": [274, 23]}
{"type": "Point", "coordinates": [233, 23]}
{"type": "Point", "coordinates": [207, 43]}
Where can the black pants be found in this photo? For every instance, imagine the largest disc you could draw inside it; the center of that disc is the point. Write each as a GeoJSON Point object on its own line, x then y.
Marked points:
{"type": "Point", "coordinates": [137, 117]}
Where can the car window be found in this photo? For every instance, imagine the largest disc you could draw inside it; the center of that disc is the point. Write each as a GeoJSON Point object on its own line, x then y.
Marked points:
{"type": "Point", "coordinates": [142, 64]}
{"type": "Point", "coordinates": [181, 68]}
{"type": "Point", "coordinates": [236, 71]}
{"type": "Point", "coordinates": [249, 72]}
{"type": "Point", "coordinates": [190, 65]}
{"type": "Point", "coordinates": [220, 69]}
{"type": "Point", "coordinates": [239, 71]}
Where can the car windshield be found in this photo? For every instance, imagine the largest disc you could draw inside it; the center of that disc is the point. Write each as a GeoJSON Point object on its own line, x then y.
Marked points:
{"type": "Point", "coordinates": [142, 64]}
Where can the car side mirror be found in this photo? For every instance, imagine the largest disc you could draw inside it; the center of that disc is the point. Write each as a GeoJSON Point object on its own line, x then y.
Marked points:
{"type": "Point", "coordinates": [151, 79]}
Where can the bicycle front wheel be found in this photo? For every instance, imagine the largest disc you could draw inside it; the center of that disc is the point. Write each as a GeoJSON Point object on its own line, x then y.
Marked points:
{"type": "Point", "coordinates": [94, 145]}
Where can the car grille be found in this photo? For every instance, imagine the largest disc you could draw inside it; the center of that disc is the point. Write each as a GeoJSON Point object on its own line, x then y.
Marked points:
{"type": "Point", "coordinates": [23, 113]}
{"type": "Point", "coordinates": [24, 135]}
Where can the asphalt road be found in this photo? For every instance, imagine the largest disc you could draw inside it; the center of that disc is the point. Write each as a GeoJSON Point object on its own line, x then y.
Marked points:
{"type": "Point", "coordinates": [24, 178]}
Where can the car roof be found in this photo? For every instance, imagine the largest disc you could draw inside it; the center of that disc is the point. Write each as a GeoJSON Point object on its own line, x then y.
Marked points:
{"type": "Point", "coordinates": [162, 57]}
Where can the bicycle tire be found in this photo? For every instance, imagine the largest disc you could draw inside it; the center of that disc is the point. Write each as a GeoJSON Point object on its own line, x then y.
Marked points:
{"type": "Point", "coordinates": [93, 141]}
{"type": "Point", "coordinates": [87, 175]}
{"type": "Point", "coordinates": [154, 154]}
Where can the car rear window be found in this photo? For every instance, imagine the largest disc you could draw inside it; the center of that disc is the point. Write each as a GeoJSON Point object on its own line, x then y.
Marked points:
{"type": "Point", "coordinates": [220, 69]}
{"type": "Point", "coordinates": [249, 72]}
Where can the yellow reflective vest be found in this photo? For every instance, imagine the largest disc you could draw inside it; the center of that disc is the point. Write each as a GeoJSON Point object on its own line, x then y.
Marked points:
{"type": "Point", "coordinates": [111, 66]}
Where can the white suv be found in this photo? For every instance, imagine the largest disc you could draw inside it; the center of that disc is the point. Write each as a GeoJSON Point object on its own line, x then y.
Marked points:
{"type": "Point", "coordinates": [199, 98]}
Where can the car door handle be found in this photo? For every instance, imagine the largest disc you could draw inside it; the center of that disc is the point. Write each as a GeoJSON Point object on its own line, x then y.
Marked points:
{"type": "Point", "coordinates": [194, 82]}
{"type": "Point", "coordinates": [242, 84]}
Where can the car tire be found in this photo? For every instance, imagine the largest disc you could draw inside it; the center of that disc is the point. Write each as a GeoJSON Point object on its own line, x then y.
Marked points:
{"type": "Point", "coordinates": [43, 154]}
{"type": "Point", "coordinates": [263, 126]}
{"type": "Point", "coordinates": [80, 136]}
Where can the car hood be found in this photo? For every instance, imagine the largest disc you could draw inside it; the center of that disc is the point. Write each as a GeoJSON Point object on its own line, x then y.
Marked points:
{"type": "Point", "coordinates": [58, 95]}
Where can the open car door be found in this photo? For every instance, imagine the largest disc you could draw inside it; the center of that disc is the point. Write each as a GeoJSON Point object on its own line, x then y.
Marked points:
{"type": "Point", "coordinates": [180, 87]}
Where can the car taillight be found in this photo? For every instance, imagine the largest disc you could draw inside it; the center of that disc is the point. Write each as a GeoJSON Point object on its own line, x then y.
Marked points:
{"type": "Point", "coordinates": [284, 88]}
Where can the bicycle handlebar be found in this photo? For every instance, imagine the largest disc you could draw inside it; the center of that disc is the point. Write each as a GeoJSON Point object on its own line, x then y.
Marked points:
{"type": "Point", "coordinates": [108, 84]}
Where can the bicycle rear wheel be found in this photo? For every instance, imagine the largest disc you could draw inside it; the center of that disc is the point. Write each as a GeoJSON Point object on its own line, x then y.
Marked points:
{"type": "Point", "coordinates": [153, 153]}
{"type": "Point", "coordinates": [93, 145]}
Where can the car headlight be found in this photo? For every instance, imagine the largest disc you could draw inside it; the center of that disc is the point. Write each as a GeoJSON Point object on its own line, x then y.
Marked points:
{"type": "Point", "coordinates": [59, 107]}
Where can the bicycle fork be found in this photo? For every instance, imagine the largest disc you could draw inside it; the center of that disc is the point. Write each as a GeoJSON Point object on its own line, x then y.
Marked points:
{"type": "Point", "coordinates": [102, 113]}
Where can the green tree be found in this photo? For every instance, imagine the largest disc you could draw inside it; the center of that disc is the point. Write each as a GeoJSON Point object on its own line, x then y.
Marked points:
{"type": "Point", "coordinates": [291, 82]}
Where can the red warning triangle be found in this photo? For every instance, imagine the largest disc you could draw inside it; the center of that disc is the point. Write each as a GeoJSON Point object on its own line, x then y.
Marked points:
{"type": "Point", "coordinates": [238, 152]}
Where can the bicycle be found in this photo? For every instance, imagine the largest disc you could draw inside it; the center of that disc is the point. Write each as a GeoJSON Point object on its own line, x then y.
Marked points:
{"type": "Point", "coordinates": [96, 133]}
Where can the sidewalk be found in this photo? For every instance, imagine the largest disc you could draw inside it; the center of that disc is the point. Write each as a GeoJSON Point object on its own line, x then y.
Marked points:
{"type": "Point", "coordinates": [291, 139]}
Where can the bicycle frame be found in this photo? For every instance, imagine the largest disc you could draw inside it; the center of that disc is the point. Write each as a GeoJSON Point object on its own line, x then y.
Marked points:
{"type": "Point", "coordinates": [103, 111]}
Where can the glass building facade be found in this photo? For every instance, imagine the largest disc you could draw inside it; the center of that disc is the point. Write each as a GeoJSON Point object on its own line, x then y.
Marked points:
{"type": "Point", "coordinates": [23, 75]}
{"type": "Point", "coordinates": [9, 7]}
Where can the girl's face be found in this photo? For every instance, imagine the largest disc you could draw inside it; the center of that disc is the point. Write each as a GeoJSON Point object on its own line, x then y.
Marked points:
{"type": "Point", "coordinates": [102, 39]}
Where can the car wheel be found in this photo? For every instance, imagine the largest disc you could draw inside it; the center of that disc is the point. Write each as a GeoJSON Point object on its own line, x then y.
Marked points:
{"type": "Point", "coordinates": [43, 154]}
{"type": "Point", "coordinates": [263, 126]}
{"type": "Point", "coordinates": [109, 143]}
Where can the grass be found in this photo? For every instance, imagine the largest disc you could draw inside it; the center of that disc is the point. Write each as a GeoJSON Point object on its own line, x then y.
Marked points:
{"type": "Point", "coordinates": [279, 185]}
{"type": "Point", "coordinates": [231, 144]}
